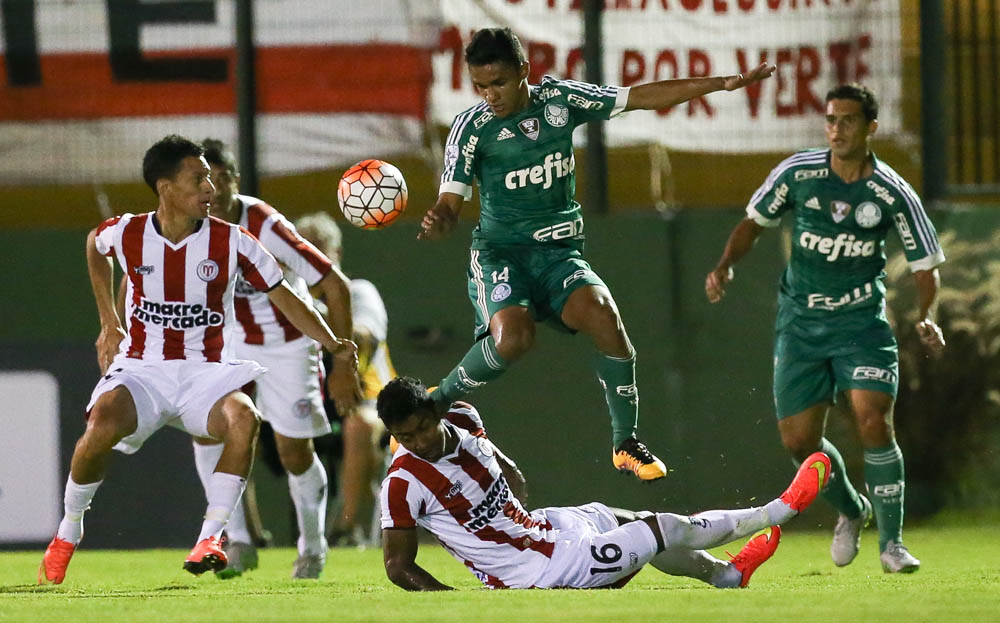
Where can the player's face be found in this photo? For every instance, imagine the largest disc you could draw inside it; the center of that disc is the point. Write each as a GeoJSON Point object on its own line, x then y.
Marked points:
{"type": "Point", "coordinates": [503, 86]}
{"type": "Point", "coordinates": [226, 185]}
{"type": "Point", "coordinates": [422, 434]}
{"type": "Point", "coordinates": [847, 130]}
{"type": "Point", "coordinates": [190, 190]}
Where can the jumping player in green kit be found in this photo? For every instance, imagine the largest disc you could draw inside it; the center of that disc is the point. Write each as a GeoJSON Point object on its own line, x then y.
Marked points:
{"type": "Point", "coordinates": [832, 333]}
{"type": "Point", "coordinates": [526, 263]}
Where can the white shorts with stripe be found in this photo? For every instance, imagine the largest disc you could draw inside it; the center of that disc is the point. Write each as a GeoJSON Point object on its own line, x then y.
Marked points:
{"type": "Point", "coordinates": [175, 393]}
{"type": "Point", "coordinates": [592, 550]}
{"type": "Point", "coordinates": [288, 395]}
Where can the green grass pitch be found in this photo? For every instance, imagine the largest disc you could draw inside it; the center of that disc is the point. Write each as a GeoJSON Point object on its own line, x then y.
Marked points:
{"type": "Point", "coordinates": [959, 581]}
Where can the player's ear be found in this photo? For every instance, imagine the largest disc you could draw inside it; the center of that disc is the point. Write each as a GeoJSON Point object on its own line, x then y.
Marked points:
{"type": "Point", "coordinates": [162, 185]}
{"type": "Point", "coordinates": [872, 126]}
{"type": "Point", "coordinates": [524, 70]}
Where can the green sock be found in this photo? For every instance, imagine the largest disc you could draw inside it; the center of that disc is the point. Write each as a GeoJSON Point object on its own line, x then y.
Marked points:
{"type": "Point", "coordinates": [839, 491]}
{"type": "Point", "coordinates": [884, 477]}
{"type": "Point", "coordinates": [617, 376]}
{"type": "Point", "coordinates": [480, 365]}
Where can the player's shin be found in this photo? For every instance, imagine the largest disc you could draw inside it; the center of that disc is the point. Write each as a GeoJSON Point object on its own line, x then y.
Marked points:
{"type": "Point", "coordinates": [480, 365]}
{"type": "Point", "coordinates": [884, 477]}
{"type": "Point", "coordinates": [224, 491]}
{"type": "Point", "coordinates": [697, 564]}
{"type": "Point", "coordinates": [710, 528]}
{"type": "Point", "coordinates": [617, 377]}
{"type": "Point", "coordinates": [76, 500]}
{"type": "Point", "coordinates": [839, 491]}
{"type": "Point", "coordinates": [309, 494]}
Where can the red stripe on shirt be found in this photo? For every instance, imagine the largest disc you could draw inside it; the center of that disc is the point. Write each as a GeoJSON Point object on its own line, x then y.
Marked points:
{"type": "Point", "coordinates": [218, 252]}
{"type": "Point", "coordinates": [254, 334]}
{"type": "Point", "coordinates": [465, 422]}
{"type": "Point", "coordinates": [108, 223]}
{"type": "Point", "coordinates": [257, 215]}
{"type": "Point", "coordinates": [489, 580]}
{"type": "Point", "coordinates": [471, 466]}
{"type": "Point", "coordinates": [132, 237]}
{"type": "Point", "coordinates": [308, 252]}
{"type": "Point", "coordinates": [173, 290]}
{"type": "Point", "coordinates": [250, 272]}
{"type": "Point", "coordinates": [399, 510]}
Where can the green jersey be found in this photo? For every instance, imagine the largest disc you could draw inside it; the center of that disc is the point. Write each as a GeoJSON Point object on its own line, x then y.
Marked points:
{"type": "Point", "coordinates": [838, 241]}
{"type": "Point", "coordinates": [524, 165]}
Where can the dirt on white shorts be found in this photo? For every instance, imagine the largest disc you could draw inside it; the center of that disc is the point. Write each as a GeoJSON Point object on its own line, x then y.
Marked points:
{"type": "Point", "coordinates": [176, 393]}
{"type": "Point", "coordinates": [592, 549]}
{"type": "Point", "coordinates": [289, 395]}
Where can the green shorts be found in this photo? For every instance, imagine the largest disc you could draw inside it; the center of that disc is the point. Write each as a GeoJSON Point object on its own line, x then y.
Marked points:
{"type": "Point", "coordinates": [816, 359]}
{"type": "Point", "coordinates": [540, 278]}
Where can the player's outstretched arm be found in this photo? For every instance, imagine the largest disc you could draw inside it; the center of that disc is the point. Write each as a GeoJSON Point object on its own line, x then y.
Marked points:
{"type": "Point", "coordinates": [515, 479]}
{"type": "Point", "coordinates": [928, 283]}
{"type": "Point", "coordinates": [101, 273]}
{"type": "Point", "coordinates": [741, 240]}
{"type": "Point", "coordinates": [343, 383]}
{"type": "Point", "coordinates": [667, 93]}
{"type": "Point", "coordinates": [399, 553]}
{"type": "Point", "coordinates": [307, 319]}
{"type": "Point", "coordinates": [441, 219]}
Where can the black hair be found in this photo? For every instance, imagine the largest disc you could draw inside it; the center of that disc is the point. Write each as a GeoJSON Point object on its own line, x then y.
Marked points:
{"type": "Point", "coordinates": [494, 45]}
{"type": "Point", "coordinates": [218, 153]}
{"type": "Point", "coordinates": [402, 397]}
{"type": "Point", "coordinates": [164, 158]}
{"type": "Point", "coordinates": [858, 93]}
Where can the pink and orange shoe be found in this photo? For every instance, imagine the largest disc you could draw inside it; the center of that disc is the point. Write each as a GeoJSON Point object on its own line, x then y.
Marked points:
{"type": "Point", "coordinates": [755, 553]}
{"type": "Point", "coordinates": [812, 476]}
{"type": "Point", "coordinates": [207, 555]}
{"type": "Point", "coordinates": [54, 563]}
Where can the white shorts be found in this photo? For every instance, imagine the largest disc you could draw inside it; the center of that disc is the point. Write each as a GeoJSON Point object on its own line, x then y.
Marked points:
{"type": "Point", "coordinates": [174, 393]}
{"type": "Point", "coordinates": [592, 550]}
{"type": "Point", "coordinates": [289, 395]}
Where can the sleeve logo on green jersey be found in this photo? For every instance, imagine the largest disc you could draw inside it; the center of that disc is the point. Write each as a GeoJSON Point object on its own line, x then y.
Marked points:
{"type": "Point", "coordinates": [483, 119]}
{"type": "Point", "coordinates": [557, 115]}
{"type": "Point", "coordinates": [584, 103]}
{"type": "Point", "coordinates": [909, 243]}
{"type": "Point", "coordinates": [780, 196]}
{"type": "Point", "coordinates": [881, 192]}
{"type": "Point", "coordinates": [469, 151]}
{"type": "Point", "coordinates": [868, 215]}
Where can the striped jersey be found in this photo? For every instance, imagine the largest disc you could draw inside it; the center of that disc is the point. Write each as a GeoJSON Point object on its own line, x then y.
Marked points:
{"type": "Point", "coordinates": [524, 163]}
{"type": "Point", "coordinates": [837, 262]}
{"type": "Point", "coordinates": [258, 320]}
{"type": "Point", "coordinates": [179, 297]}
{"type": "Point", "coordinates": [371, 319]}
{"type": "Point", "coordinates": [463, 499]}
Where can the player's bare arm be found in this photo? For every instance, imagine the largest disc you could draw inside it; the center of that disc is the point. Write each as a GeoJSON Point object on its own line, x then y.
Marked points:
{"type": "Point", "coordinates": [741, 240]}
{"type": "Point", "coordinates": [515, 479]}
{"type": "Point", "coordinates": [307, 319]}
{"type": "Point", "coordinates": [399, 553]}
{"type": "Point", "coordinates": [667, 93]}
{"type": "Point", "coordinates": [441, 219]}
{"type": "Point", "coordinates": [101, 274]}
{"type": "Point", "coordinates": [928, 282]}
{"type": "Point", "coordinates": [343, 384]}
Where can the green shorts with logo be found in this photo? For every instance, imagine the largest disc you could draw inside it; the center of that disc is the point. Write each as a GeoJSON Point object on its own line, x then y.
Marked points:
{"type": "Point", "coordinates": [815, 359]}
{"type": "Point", "coordinates": [539, 277]}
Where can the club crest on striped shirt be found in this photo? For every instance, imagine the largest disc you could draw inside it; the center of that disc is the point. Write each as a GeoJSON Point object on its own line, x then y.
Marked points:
{"type": "Point", "coordinates": [207, 270]}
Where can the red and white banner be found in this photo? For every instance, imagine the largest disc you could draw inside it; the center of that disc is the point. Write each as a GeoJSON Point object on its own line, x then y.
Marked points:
{"type": "Point", "coordinates": [87, 86]}
{"type": "Point", "coordinates": [816, 44]}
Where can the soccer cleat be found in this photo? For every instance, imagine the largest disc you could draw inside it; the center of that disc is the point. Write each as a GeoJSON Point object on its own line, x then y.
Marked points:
{"type": "Point", "coordinates": [633, 456]}
{"type": "Point", "coordinates": [207, 555]}
{"type": "Point", "coordinates": [897, 559]}
{"type": "Point", "coordinates": [54, 563]}
{"type": "Point", "coordinates": [240, 557]}
{"type": "Point", "coordinates": [308, 566]}
{"type": "Point", "coordinates": [847, 535]}
{"type": "Point", "coordinates": [812, 476]}
{"type": "Point", "coordinates": [755, 553]}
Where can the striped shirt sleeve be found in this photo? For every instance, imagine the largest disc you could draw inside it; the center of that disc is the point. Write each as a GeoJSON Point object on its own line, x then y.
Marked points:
{"type": "Point", "coordinates": [460, 152]}
{"type": "Point", "coordinates": [255, 262]}
{"type": "Point", "coordinates": [771, 200]}
{"type": "Point", "coordinates": [105, 237]}
{"type": "Point", "coordinates": [916, 231]}
{"type": "Point", "coordinates": [400, 502]}
{"type": "Point", "coordinates": [589, 102]}
{"type": "Point", "coordinates": [280, 238]}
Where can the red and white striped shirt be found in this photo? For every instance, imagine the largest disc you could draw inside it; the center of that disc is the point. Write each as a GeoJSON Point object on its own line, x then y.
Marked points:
{"type": "Point", "coordinates": [464, 500]}
{"type": "Point", "coordinates": [179, 297]}
{"type": "Point", "coordinates": [259, 321]}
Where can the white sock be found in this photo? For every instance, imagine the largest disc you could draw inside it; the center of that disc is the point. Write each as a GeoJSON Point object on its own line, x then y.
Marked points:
{"type": "Point", "coordinates": [205, 460]}
{"type": "Point", "coordinates": [779, 512]}
{"type": "Point", "coordinates": [223, 492]}
{"type": "Point", "coordinates": [710, 528]}
{"type": "Point", "coordinates": [76, 500]}
{"type": "Point", "coordinates": [697, 564]}
{"type": "Point", "coordinates": [309, 493]}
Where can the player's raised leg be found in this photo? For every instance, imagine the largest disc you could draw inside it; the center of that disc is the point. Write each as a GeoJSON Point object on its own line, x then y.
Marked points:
{"type": "Point", "coordinates": [592, 310]}
{"type": "Point", "coordinates": [111, 419]}
{"type": "Point", "coordinates": [235, 420]}
{"type": "Point", "coordinates": [307, 484]}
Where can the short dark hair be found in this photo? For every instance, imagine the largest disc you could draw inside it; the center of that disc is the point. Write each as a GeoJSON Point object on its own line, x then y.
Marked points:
{"type": "Point", "coordinates": [494, 45]}
{"type": "Point", "coordinates": [164, 158]}
{"type": "Point", "coordinates": [218, 153]}
{"type": "Point", "coordinates": [402, 397]}
{"type": "Point", "coordinates": [858, 93]}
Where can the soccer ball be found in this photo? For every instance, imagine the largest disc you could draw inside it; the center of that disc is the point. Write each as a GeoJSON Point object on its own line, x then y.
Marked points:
{"type": "Point", "coordinates": [372, 194]}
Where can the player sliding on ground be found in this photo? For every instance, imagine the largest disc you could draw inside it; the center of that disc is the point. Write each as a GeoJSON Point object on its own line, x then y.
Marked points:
{"type": "Point", "coordinates": [448, 478]}
{"type": "Point", "coordinates": [526, 262]}
{"type": "Point", "coordinates": [172, 365]}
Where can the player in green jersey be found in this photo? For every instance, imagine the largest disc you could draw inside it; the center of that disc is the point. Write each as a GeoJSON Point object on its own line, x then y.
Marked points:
{"type": "Point", "coordinates": [832, 335]}
{"type": "Point", "coordinates": [526, 261]}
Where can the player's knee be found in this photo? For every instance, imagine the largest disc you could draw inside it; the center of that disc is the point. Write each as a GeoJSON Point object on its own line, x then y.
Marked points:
{"type": "Point", "coordinates": [109, 421]}
{"type": "Point", "coordinates": [800, 444]}
{"type": "Point", "coordinates": [513, 342]}
{"type": "Point", "coordinates": [874, 428]}
{"type": "Point", "coordinates": [242, 421]}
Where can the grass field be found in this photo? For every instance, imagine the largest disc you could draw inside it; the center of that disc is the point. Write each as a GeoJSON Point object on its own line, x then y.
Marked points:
{"type": "Point", "coordinates": [959, 581]}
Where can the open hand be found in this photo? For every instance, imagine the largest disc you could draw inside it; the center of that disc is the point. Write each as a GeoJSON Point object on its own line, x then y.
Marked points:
{"type": "Point", "coordinates": [761, 72]}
